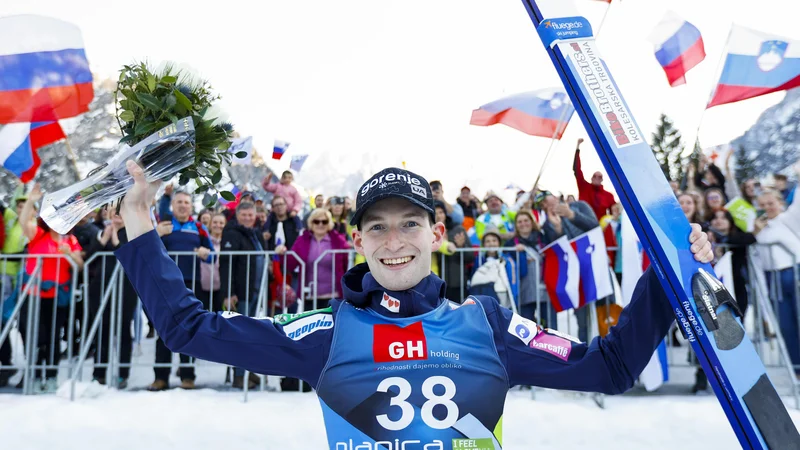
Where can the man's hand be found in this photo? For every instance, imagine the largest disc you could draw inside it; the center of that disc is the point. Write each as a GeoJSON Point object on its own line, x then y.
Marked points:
{"type": "Point", "coordinates": [135, 209]}
{"type": "Point", "coordinates": [760, 223]}
{"type": "Point", "coordinates": [293, 213]}
{"type": "Point", "coordinates": [164, 228]}
{"type": "Point", "coordinates": [563, 210]}
{"type": "Point", "coordinates": [701, 248]}
{"type": "Point", "coordinates": [281, 249]}
{"type": "Point", "coordinates": [580, 141]}
{"type": "Point", "coordinates": [229, 304]}
{"type": "Point", "coordinates": [36, 193]}
{"type": "Point", "coordinates": [202, 252]}
{"type": "Point", "coordinates": [168, 190]}
{"type": "Point", "coordinates": [451, 248]}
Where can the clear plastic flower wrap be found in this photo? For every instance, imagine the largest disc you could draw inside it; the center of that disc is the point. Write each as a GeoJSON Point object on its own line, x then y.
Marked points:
{"type": "Point", "coordinates": [162, 155]}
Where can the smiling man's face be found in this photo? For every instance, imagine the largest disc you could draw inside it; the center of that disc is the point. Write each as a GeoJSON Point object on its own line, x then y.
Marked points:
{"type": "Point", "coordinates": [397, 239]}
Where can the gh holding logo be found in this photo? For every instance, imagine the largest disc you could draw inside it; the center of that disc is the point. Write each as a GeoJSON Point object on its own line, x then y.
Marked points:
{"type": "Point", "coordinates": [392, 343]}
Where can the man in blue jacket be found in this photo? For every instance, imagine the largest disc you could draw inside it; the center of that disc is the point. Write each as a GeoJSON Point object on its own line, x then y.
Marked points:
{"type": "Point", "coordinates": [395, 364]}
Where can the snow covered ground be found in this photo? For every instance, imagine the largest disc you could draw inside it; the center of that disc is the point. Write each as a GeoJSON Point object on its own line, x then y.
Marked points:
{"type": "Point", "coordinates": [216, 417]}
{"type": "Point", "coordinates": [210, 419]}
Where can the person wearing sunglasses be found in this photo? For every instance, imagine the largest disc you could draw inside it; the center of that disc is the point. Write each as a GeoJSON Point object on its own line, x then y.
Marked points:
{"type": "Point", "coordinates": [394, 360]}
{"type": "Point", "coordinates": [339, 214]}
{"type": "Point", "coordinates": [318, 238]}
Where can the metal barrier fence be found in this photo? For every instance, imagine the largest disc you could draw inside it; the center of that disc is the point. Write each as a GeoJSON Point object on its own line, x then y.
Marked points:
{"type": "Point", "coordinates": [765, 325]}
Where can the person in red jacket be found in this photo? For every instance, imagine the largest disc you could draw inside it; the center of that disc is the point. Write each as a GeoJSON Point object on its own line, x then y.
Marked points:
{"type": "Point", "coordinates": [592, 193]}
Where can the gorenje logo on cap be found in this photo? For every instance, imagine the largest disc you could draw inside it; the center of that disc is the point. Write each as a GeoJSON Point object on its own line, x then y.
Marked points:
{"type": "Point", "coordinates": [391, 343]}
{"type": "Point", "coordinates": [390, 178]}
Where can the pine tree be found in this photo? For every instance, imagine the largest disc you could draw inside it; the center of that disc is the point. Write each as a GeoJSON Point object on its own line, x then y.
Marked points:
{"type": "Point", "coordinates": [744, 166]}
{"type": "Point", "coordinates": [667, 147]}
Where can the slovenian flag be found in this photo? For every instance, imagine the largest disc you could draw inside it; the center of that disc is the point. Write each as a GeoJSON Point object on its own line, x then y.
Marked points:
{"type": "Point", "coordinates": [595, 282]}
{"type": "Point", "coordinates": [679, 47]}
{"type": "Point", "coordinates": [279, 149]}
{"type": "Point", "coordinates": [543, 113]}
{"type": "Point", "coordinates": [44, 73]}
{"type": "Point", "coordinates": [20, 143]}
{"type": "Point", "coordinates": [44, 77]}
{"type": "Point", "coordinates": [562, 274]}
{"type": "Point", "coordinates": [756, 64]}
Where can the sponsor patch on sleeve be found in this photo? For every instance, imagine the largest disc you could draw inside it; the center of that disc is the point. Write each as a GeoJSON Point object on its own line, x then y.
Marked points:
{"type": "Point", "coordinates": [302, 327]}
{"type": "Point", "coordinates": [229, 314]}
{"type": "Point", "coordinates": [522, 328]}
{"type": "Point", "coordinates": [552, 344]}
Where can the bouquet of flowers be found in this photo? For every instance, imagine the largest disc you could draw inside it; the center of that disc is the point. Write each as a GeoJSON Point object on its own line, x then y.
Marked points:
{"type": "Point", "coordinates": [168, 128]}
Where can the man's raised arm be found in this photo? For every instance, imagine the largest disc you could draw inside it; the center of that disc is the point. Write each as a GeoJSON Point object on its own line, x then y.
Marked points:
{"type": "Point", "coordinates": [259, 345]}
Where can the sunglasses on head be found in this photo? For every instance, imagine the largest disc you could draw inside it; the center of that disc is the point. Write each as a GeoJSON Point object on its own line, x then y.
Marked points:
{"type": "Point", "coordinates": [320, 222]}
{"type": "Point", "coordinates": [337, 201]}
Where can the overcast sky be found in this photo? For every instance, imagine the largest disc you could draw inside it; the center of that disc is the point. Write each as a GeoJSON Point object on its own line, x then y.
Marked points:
{"type": "Point", "coordinates": [400, 79]}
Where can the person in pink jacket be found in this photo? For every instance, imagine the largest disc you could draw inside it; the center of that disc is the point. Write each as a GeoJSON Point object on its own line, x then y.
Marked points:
{"type": "Point", "coordinates": [285, 190]}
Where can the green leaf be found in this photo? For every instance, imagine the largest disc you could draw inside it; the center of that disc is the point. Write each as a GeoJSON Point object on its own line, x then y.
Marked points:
{"type": "Point", "coordinates": [183, 179]}
{"type": "Point", "coordinates": [168, 79]}
{"type": "Point", "coordinates": [209, 199]}
{"type": "Point", "coordinates": [172, 117]}
{"type": "Point", "coordinates": [183, 100]}
{"type": "Point", "coordinates": [241, 154]}
{"type": "Point", "coordinates": [129, 94]}
{"type": "Point", "coordinates": [170, 102]}
{"type": "Point", "coordinates": [227, 195]}
{"type": "Point", "coordinates": [151, 82]}
{"type": "Point", "coordinates": [145, 128]}
{"type": "Point", "coordinates": [217, 177]}
{"type": "Point", "coordinates": [126, 139]}
{"type": "Point", "coordinates": [180, 110]}
{"type": "Point", "coordinates": [191, 174]}
{"type": "Point", "coordinates": [150, 102]}
{"type": "Point", "coordinates": [127, 116]}
{"type": "Point", "coordinates": [202, 188]}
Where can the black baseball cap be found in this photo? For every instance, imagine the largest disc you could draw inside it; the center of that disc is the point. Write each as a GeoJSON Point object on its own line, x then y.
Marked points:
{"type": "Point", "coordinates": [394, 182]}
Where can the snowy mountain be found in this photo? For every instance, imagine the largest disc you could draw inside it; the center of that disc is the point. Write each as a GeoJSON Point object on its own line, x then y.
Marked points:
{"type": "Point", "coordinates": [773, 142]}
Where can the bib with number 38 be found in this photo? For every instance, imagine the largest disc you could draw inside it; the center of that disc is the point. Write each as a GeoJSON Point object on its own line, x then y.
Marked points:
{"type": "Point", "coordinates": [428, 382]}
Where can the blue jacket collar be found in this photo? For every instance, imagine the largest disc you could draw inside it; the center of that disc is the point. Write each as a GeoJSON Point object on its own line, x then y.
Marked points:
{"type": "Point", "coordinates": [363, 291]}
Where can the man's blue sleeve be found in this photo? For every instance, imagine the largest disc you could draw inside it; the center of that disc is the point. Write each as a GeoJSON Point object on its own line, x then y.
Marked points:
{"type": "Point", "coordinates": [259, 345]}
{"type": "Point", "coordinates": [547, 358]}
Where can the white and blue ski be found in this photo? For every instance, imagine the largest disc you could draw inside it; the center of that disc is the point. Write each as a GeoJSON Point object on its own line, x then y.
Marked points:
{"type": "Point", "coordinates": [704, 310]}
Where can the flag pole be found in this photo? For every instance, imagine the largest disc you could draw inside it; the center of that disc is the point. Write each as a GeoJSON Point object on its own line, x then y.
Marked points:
{"type": "Point", "coordinates": [556, 138]}
{"type": "Point", "coordinates": [713, 88]}
{"type": "Point", "coordinates": [72, 157]}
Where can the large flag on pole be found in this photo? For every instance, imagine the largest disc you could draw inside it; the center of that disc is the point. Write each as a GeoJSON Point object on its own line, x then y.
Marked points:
{"type": "Point", "coordinates": [679, 47]}
{"type": "Point", "coordinates": [756, 64]}
{"type": "Point", "coordinates": [44, 77]}
{"type": "Point", "coordinates": [44, 73]}
{"type": "Point", "coordinates": [544, 113]}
